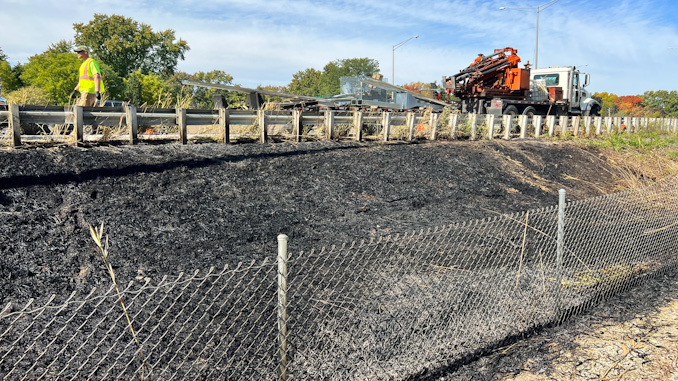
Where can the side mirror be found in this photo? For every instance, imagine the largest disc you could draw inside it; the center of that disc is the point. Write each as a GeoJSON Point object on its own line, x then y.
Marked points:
{"type": "Point", "coordinates": [587, 78]}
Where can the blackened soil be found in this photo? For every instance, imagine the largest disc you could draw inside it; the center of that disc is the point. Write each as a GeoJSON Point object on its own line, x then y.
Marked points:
{"type": "Point", "coordinates": [170, 208]}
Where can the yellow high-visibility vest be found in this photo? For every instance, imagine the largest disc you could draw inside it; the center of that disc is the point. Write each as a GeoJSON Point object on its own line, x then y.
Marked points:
{"type": "Point", "coordinates": [87, 71]}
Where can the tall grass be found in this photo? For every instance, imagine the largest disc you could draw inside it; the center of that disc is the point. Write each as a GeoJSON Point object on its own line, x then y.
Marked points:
{"type": "Point", "coordinates": [97, 235]}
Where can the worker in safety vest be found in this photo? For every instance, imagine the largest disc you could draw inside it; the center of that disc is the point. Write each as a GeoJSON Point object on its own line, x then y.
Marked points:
{"type": "Point", "coordinates": [90, 84]}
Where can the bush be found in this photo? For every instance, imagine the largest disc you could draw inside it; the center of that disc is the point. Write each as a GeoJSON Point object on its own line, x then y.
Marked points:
{"type": "Point", "coordinates": [28, 95]}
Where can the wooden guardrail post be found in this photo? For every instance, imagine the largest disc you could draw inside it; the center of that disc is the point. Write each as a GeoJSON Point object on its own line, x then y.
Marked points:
{"type": "Point", "coordinates": [453, 123]}
{"type": "Point", "coordinates": [551, 124]}
{"type": "Point", "coordinates": [434, 126]}
{"type": "Point", "coordinates": [576, 125]}
{"type": "Point", "coordinates": [617, 123]}
{"type": "Point", "coordinates": [489, 122]}
{"type": "Point", "coordinates": [522, 123]}
{"type": "Point", "coordinates": [261, 120]}
{"type": "Point", "coordinates": [410, 125]}
{"type": "Point", "coordinates": [474, 126]}
{"type": "Point", "coordinates": [386, 124]}
{"type": "Point", "coordinates": [15, 124]}
{"type": "Point", "coordinates": [78, 124]}
{"type": "Point", "coordinates": [587, 125]}
{"type": "Point", "coordinates": [181, 122]}
{"type": "Point", "coordinates": [358, 125]}
{"type": "Point", "coordinates": [132, 123]}
{"type": "Point", "coordinates": [608, 124]}
{"type": "Point", "coordinates": [598, 122]}
{"type": "Point", "coordinates": [563, 122]}
{"type": "Point", "coordinates": [536, 121]}
{"type": "Point", "coordinates": [225, 124]}
{"type": "Point", "coordinates": [507, 123]}
{"type": "Point", "coordinates": [329, 124]}
{"type": "Point", "coordinates": [634, 124]}
{"type": "Point", "coordinates": [297, 125]}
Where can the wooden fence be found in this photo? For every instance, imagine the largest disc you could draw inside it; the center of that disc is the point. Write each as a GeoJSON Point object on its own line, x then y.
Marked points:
{"type": "Point", "coordinates": [412, 125]}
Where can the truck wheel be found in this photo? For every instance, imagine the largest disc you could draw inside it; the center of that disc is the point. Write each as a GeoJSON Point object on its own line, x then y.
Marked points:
{"type": "Point", "coordinates": [530, 111]}
{"type": "Point", "coordinates": [593, 111]}
{"type": "Point", "coordinates": [511, 110]}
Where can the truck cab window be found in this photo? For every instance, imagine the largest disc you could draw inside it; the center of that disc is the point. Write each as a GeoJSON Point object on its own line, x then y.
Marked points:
{"type": "Point", "coordinates": [549, 79]}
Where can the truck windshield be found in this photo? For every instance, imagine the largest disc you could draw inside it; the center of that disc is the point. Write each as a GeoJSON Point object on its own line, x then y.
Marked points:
{"type": "Point", "coordinates": [549, 79]}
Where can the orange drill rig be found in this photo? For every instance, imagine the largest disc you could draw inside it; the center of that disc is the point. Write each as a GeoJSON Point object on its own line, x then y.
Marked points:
{"type": "Point", "coordinates": [496, 75]}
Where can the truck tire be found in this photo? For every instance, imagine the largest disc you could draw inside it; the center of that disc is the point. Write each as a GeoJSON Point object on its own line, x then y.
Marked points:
{"type": "Point", "coordinates": [530, 111]}
{"type": "Point", "coordinates": [593, 111]}
{"type": "Point", "coordinates": [511, 110]}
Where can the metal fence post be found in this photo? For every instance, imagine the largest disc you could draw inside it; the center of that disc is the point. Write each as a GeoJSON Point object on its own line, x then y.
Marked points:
{"type": "Point", "coordinates": [559, 248]}
{"type": "Point", "coordinates": [282, 303]}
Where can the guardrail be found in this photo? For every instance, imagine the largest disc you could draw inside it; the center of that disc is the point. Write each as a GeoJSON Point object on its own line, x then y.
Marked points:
{"type": "Point", "coordinates": [298, 125]}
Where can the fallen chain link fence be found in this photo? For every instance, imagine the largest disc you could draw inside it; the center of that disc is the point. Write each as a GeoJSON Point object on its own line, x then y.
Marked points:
{"type": "Point", "coordinates": [384, 309]}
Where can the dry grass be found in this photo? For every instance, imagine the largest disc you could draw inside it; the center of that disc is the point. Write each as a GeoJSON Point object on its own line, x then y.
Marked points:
{"type": "Point", "coordinates": [97, 235]}
{"type": "Point", "coordinates": [644, 348]}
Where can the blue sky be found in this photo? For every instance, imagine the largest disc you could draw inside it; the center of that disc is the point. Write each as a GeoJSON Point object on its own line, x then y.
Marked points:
{"type": "Point", "coordinates": [626, 46]}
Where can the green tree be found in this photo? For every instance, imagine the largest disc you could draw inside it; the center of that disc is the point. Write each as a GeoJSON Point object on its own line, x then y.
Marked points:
{"type": "Point", "coordinates": [127, 45]}
{"type": "Point", "coordinates": [3, 56]}
{"type": "Point", "coordinates": [333, 71]}
{"type": "Point", "coordinates": [203, 96]}
{"type": "Point", "coordinates": [666, 101]}
{"type": "Point", "coordinates": [10, 77]}
{"type": "Point", "coordinates": [55, 73]}
{"type": "Point", "coordinates": [307, 82]}
{"type": "Point", "coordinates": [62, 46]}
{"type": "Point", "coordinates": [606, 100]}
{"type": "Point", "coordinates": [326, 83]}
{"type": "Point", "coordinates": [133, 91]}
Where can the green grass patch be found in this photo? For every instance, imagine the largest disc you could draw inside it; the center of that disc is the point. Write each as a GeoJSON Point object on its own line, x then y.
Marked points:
{"type": "Point", "coordinates": [640, 140]}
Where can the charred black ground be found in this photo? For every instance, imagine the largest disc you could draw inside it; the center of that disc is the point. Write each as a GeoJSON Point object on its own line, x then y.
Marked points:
{"type": "Point", "coordinates": [169, 208]}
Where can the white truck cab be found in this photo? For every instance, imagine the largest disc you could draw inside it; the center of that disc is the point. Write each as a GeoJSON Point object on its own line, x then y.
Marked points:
{"type": "Point", "coordinates": [566, 86]}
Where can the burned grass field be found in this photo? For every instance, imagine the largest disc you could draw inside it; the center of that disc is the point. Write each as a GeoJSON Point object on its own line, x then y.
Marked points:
{"type": "Point", "coordinates": [170, 209]}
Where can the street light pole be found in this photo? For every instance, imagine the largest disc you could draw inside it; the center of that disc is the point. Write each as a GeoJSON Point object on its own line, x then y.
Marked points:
{"type": "Point", "coordinates": [396, 46]}
{"type": "Point", "coordinates": [538, 8]}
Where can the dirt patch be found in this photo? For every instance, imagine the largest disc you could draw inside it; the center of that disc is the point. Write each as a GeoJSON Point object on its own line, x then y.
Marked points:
{"type": "Point", "coordinates": [632, 336]}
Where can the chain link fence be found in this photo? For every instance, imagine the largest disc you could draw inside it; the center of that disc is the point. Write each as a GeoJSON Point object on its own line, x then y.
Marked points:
{"type": "Point", "coordinates": [383, 309]}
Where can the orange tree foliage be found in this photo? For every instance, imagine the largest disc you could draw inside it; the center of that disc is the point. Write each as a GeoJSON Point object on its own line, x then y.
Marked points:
{"type": "Point", "coordinates": [422, 88]}
{"type": "Point", "coordinates": [630, 105]}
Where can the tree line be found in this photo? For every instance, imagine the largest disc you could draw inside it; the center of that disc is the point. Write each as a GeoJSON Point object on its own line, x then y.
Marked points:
{"type": "Point", "coordinates": [651, 104]}
{"type": "Point", "coordinates": [139, 65]}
